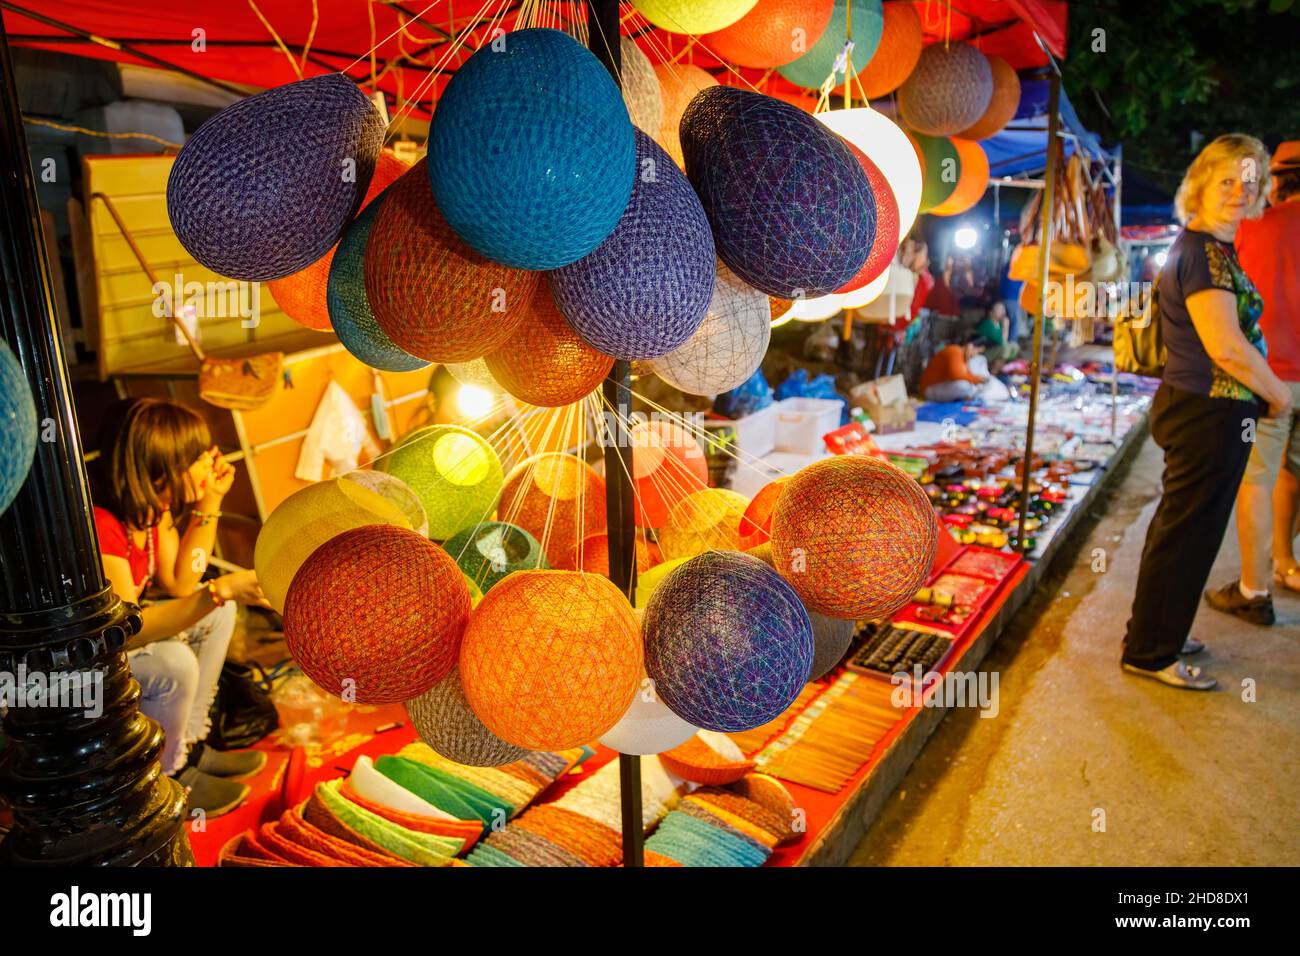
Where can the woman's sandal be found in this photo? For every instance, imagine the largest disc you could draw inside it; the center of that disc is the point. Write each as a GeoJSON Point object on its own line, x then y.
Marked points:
{"type": "Point", "coordinates": [1282, 578]}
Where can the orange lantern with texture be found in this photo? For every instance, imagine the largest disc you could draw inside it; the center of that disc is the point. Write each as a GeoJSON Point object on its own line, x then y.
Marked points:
{"type": "Point", "coordinates": [551, 659]}
{"type": "Point", "coordinates": [971, 182]}
{"type": "Point", "coordinates": [595, 554]}
{"type": "Point", "coordinates": [1002, 108]}
{"type": "Point", "coordinates": [895, 58]}
{"type": "Point", "coordinates": [774, 33]}
{"type": "Point", "coordinates": [545, 363]}
{"type": "Point", "coordinates": [558, 499]}
{"type": "Point", "coordinates": [680, 83]}
{"type": "Point", "coordinates": [708, 520]}
{"type": "Point", "coordinates": [302, 294]}
{"type": "Point", "coordinates": [756, 526]}
{"type": "Point", "coordinates": [667, 465]}
{"type": "Point", "coordinates": [854, 536]}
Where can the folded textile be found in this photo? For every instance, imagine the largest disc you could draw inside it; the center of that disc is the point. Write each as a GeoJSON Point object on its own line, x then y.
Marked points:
{"type": "Point", "coordinates": [329, 810]}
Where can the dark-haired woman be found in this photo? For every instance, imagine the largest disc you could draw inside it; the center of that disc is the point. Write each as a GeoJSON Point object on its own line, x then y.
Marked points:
{"type": "Point", "coordinates": [158, 485]}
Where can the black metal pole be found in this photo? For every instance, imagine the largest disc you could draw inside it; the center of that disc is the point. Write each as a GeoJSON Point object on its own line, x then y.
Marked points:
{"type": "Point", "coordinates": [602, 40]}
{"type": "Point", "coordinates": [83, 780]}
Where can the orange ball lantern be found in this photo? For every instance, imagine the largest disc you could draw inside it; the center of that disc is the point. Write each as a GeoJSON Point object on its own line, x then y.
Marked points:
{"type": "Point", "coordinates": [972, 182]}
{"type": "Point", "coordinates": [708, 520]}
{"type": "Point", "coordinates": [756, 526]}
{"type": "Point", "coordinates": [545, 362]}
{"type": "Point", "coordinates": [551, 659]}
{"type": "Point", "coordinates": [1003, 106]}
{"type": "Point", "coordinates": [896, 56]}
{"type": "Point", "coordinates": [302, 294]}
{"type": "Point", "coordinates": [774, 33]}
{"type": "Point", "coordinates": [558, 499]}
{"type": "Point", "coordinates": [595, 554]}
{"type": "Point", "coordinates": [667, 465]}
{"type": "Point", "coordinates": [680, 83]}
{"type": "Point", "coordinates": [855, 537]}
{"type": "Point", "coordinates": [376, 614]}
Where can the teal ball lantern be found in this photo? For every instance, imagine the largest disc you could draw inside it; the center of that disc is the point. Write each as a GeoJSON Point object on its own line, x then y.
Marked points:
{"type": "Point", "coordinates": [454, 472]}
{"type": "Point", "coordinates": [17, 427]}
{"type": "Point", "coordinates": [493, 549]}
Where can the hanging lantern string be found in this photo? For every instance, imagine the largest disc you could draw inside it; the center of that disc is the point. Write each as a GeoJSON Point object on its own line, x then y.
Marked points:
{"type": "Point", "coordinates": [311, 35]}
{"type": "Point", "coordinates": [376, 46]}
{"type": "Point", "coordinates": [670, 59]}
{"type": "Point", "coordinates": [276, 37]}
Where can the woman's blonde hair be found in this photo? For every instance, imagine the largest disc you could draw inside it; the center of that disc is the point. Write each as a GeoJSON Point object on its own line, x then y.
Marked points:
{"type": "Point", "coordinates": [1239, 146]}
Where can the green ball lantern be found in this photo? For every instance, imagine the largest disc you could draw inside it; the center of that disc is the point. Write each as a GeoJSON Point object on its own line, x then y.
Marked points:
{"type": "Point", "coordinates": [489, 551]}
{"type": "Point", "coordinates": [454, 472]}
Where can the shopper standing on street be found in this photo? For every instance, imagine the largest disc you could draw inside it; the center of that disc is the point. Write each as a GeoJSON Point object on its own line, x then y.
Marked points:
{"type": "Point", "coordinates": [1216, 385]}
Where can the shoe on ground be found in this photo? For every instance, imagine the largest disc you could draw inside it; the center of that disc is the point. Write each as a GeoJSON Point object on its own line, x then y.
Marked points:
{"type": "Point", "coordinates": [1179, 674]}
{"type": "Point", "coordinates": [1190, 646]}
{"type": "Point", "coordinates": [213, 795]}
{"type": "Point", "coordinates": [231, 764]}
{"type": "Point", "coordinates": [1230, 600]}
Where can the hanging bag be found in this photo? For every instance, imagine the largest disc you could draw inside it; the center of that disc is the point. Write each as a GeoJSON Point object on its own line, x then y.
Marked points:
{"type": "Point", "coordinates": [1139, 340]}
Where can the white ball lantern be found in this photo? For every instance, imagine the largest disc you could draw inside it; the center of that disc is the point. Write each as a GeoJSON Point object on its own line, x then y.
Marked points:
{"type": "Point", "coordinates": [888, 147]}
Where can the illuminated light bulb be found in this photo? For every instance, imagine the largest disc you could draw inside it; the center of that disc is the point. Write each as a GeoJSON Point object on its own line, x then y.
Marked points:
{"type": "Point", "coordinates": [964, 238]}
{"type": "Point", "coordinates": [474, 401]}
{"type": "Point", "coordinates": [889, 148]}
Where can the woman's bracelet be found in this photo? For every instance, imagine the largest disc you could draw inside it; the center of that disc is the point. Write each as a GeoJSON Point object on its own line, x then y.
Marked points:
{"type": "Point", "coordinates": [206, 516]}
{"type": "Point", "coordinates": [217, 599]}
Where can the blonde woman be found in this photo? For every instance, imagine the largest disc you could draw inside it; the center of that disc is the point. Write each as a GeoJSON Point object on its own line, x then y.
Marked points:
{"type": "Point", "coordinates": [1215, 387]}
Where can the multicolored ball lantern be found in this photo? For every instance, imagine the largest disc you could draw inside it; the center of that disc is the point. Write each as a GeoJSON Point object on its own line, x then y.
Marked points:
{"type": "Point", "coordinates": [855, 537]}
{"type": "Point", "coordinates": [445, 721]}
{"type": "Point", "coordinates": [707, 520]}
{"type": "Point", "coordinates": [553, 123]}
{"type": "Point", "coordinates": [971, 184]}
{"type": "Point", "coordinates": [729, 345]}
{"type": "Point", "coordinates": [558, 499]}
{"type": "Point", "coordinates": [641, 93]}
{"type": "Point", "coordinates": [1003, 104]}
{"type": "Point", "coordinates": [756, 526]}
{"type": "Point", "coordinates": [774, 33]}
{"type": "Point", "coordinates": [791, 209]}
{"type": "Point", "coordinates": [348, 304]}
{"type": "Point", "coordinates": [645, 290]}
{"type": "Point", "coordinates": [887, 235]}
{"type": "Point", "coordinates": [489, 551]}
{"type": "Point", "coordinates": [455, 473]}
{"type": "Point", "coordinates": [551, 659]}
{"type": "Point", "coordinates": [886, 145]}
{"type": "Point", "coordinates": [942, 165]}
{"type": "Point", "coordinates": [895, 57]}
{"type": "Point", "coordinates": [267, 186]}
{"type": "Point", "coordinates": [376, 615]}
{"type": "Point", "coordinates": [432, 295]}
{"type": "Point", "coordinates": [679, 83]}
{"type": "Point", "coordinates": [948, 91]}
{"type": "Point", "coordinates": [812, 69]}
{"type": "Point", "coordinates": [727, 642]}
{"type": "Point", "coordinates": [304, 295]}
{"type": "Point", "coordinates": [831, 635]}
{"type": "Point", "coordinates": [667, 465]}
{"type": "Point", "coordinates": [648, 727]}
{"type": "Point", "coordinates": [545, 362]}
{"type": "Point", "coordinates": [313, 515]}
{"type": "Point", "coordinates": [17, 427]}
{"type": "Point", "coordinates": [693, 16]}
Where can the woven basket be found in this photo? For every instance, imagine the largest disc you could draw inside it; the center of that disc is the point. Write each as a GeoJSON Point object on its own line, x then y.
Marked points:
{"type": "Point", "coordinates": [489, 551]}
{"type": "Point", "coordinates": [774, 33]}
{"type": "Point", "coordinates": [948, 91]}
{"type": "Point", "coordinates": [791, 209]}
{"type": "Point", "coordinates": [895, 58]}
{"type": "Point", "coordinates": [727, 642]}
{"type": "Point", "coordinates": [377, 611]}
{"type": "Point", "coordinates": [531, 150]}
{"type": "Point", "coordinates": [432, 295]}
{"type": "Point", "coordinates": [645, 290]}
{"type": "Point", "coordinates": [454, 472]}
{"type": "Point", "coordinates": [707, 520]}
{"type": "Point", "coordinates": [443, 719]}
{"type": "Point", "coordinates": [679, 83]}
{"type": "Point", "coordinates": [559, 500]}
{"type": "Point", "coordinates": [695, 760]}
{"type": "Point", "coordinates": [1002, 105]}
{"type": "Point", "coordinates": [641, 93]}
{"type": "Point", "coordinates": [267, 186]}
{"type": "Point", "coordinates": [17, 427]}
{"type": "Point", "coordinates": [812, 69]}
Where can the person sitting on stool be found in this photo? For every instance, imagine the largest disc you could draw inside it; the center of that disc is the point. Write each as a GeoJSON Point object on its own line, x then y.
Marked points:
{"type": "Point", "coordinates": [949, 377]}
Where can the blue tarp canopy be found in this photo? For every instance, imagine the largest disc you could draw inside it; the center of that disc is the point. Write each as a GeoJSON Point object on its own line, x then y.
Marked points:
{"type": "Point", "coordinates": [1022, 146]}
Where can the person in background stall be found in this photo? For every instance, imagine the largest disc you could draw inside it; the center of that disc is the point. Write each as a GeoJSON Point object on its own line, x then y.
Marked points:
{"type": "Point", "coordinates": [1216, 384]}
{"type": "Point", "coordinates": [995, 331]}
{"type": "Point", "coordinates": [157, 487]}
{"type": "Point", "coordinates": [949, 377]}
{"type": "Point", "coordinates": [1269, 249]}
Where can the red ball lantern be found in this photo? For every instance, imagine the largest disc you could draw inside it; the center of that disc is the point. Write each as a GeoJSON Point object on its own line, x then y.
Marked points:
{"type": "Point", "coordinates": [774, 33]}
{"type": "Point", "coordinates": [558, 499]}
{"type": "Point", "coordinates": [756, 525]}
{"type": "Point", "coordinates": [1002, 108]}
{"type": "Point", "coordinates": [895, 58]}
{"type": "Point", "coordinates": [885, 245]}
{"type": "Point", "coordinates": [376, 614]}
{"type": "Point", "coordinates": [667, 465]}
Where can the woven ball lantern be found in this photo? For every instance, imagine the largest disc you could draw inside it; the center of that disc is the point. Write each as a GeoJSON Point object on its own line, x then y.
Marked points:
{"type": "Point", "coordinates": [729, 345]}
{"type": "Point", "coordinates": [489, 551]}
{"type": "Point", "coordinates": [1003, 104]}
{"type": "Point", "coordinates": [774, 33]}
{"type": "Point", "coordinates": [545, 363]}
{"type": "Point", "coordinates": [455, 473]}
{"type": "Point", "coordinates": [812, 69]}
{"type": "Point", "coordinates": [17, 427]}
{"type": "Point", "coordinates": [973, 181]}
{"type": "Point", "coordinates": [942, 165]}
{"type": "Point", "coordinates": [593, 556]}
{"type": "Point", "coordinates": [948, 91]}
{"type": "Point", "coordinates": [648, 727]}
{"type": "Point", "coordinates": [558, 499]}
{"type": "Point", "coordinates": [474, 372]}
{"type": "Point", "coordinates": [855, 536]}
{"type": "Point", "coordinates": [707, 520]}
{"type": "Point", "coordinates": [445, 721]}
{"type": "Point", "coordinates": [641, 92]}
{"type": "Point", "coordinates": [432, 295]}
{"type": "Point", "coordinates": [350, 314]}
{"type": "Point", "coordinates": [267, 186]}
{"type": "Point", "coordinates": [831, 635]}
{"type": "Point", "coordinates": [885, 247]}
{"type": "Point", "coordinates": [313, 515]}
{"type": "Point", "coordinates": [727, 642]}
{"type": "Point", "coordinates": [889, 148]}
{"type": "Point", "coordinates": [693, 16]}
{"type": "Point", "coordinates": [648, 583]}
{"type": "Point", "coordinates": [645, 290]}
{"type": "Point", "coordinates": [791, 209]}
{"type": "Point", "coordinates": [304, 295]}
{"type": "Point", "coordinates": [756, 526]}
{"type": "Point", "coordinates": [376, 614]}
{"type": "Point", "coordinates": [679, 83]}
{"type": "Point", "coordinates": [897, 55]}
{"type": "Point", "coordinates": [667, 465]}
{"type": "Point", "coordinates": [551, 659]}
{"type": "Point", "coordinates": [531, 152]}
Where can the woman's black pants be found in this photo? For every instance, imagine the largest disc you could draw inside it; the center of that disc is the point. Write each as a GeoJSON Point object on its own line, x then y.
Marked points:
{"type": "Point", "coordinates": [1206, 442]}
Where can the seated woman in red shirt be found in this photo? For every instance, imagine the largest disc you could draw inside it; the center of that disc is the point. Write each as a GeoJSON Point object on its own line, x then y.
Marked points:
{"type": "Point", "coordinates": [157, 485]}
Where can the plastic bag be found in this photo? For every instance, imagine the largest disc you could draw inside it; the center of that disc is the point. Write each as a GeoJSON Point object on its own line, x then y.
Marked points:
{"type": "Point", "coordinates": [798, 385]}
{"type": "Point", "coordinates": [753, 395]}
